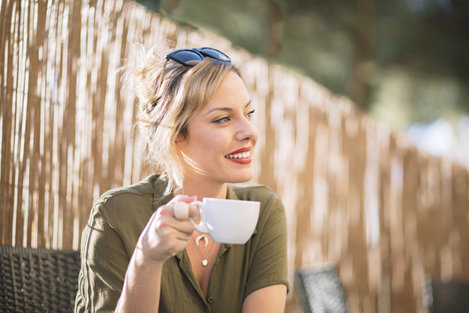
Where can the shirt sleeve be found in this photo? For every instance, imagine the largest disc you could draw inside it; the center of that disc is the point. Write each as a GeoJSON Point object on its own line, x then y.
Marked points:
{"type": "Point", "coordinates": [269, 264]}
{"type": "Point", "coordinates": [104, 262]}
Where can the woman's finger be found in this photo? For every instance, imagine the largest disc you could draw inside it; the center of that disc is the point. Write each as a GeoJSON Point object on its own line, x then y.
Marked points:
{"type": "Point", "coordinates": [167, 219]}
{"type": "Point", "coordinates": [181, 210]}
{"type": "Point", "coordinates": [194, 212]}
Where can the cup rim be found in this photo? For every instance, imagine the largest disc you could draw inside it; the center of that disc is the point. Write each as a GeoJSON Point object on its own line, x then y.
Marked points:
{"type": "Point", "coordinates": [231, 200]}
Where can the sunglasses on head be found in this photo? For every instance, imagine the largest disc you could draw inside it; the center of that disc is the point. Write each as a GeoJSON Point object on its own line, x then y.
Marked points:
{"type": "Point", "coordinates": [191, 57]}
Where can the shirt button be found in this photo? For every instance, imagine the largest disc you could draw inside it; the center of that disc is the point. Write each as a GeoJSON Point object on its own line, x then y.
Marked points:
{"type": "Point", "coordinates": [210, 299]}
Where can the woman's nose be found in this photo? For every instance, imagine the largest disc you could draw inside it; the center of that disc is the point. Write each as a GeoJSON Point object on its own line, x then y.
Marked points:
{"type": "Point", "coordinates": [247, 130]}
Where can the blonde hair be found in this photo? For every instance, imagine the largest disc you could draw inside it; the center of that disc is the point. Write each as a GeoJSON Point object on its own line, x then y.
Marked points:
{"type": "Point", "coordinates": [169, 94]}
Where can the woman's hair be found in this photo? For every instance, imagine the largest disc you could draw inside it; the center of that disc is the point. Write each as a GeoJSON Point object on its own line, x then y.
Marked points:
{"type": "Point", "coordinates": [169, 94]}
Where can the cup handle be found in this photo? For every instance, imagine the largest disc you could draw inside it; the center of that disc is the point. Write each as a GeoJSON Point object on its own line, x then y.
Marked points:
{"type": "Point", "coordinates": [202, 226]}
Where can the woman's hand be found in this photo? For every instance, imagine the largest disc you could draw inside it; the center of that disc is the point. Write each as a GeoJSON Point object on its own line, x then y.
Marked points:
{"type": "Point", "coordinates": [165, 235]}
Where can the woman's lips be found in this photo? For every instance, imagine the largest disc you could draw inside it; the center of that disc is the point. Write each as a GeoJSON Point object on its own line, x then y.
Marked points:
{"type": "Point", "coordinates": [240, 156]}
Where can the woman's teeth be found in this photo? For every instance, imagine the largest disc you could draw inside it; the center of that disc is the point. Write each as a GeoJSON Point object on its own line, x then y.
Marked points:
{"type": "Point", "coordinates": [243, 155]}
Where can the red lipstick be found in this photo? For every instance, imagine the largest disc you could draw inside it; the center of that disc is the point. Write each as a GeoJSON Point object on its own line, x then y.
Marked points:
{"type": "Point", "coordinates": [240, 159]}
{"type": "Point", "coordinates": [246, 149]}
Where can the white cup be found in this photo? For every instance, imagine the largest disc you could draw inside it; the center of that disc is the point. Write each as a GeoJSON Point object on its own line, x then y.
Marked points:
{"type": "Point", "coordinates": [226, 220]}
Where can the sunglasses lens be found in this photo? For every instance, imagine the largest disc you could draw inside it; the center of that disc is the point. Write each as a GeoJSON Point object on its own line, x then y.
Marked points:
{"type": "Point", "coordinates": [186, 57]}
{"type": "Point", "coordinates": [191, 57]}
{"type": "Point", "coordinates": [214, 53]}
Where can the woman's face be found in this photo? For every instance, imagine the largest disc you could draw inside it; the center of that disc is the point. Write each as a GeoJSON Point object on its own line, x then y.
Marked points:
{"type": "Point", "coordinates": [221, 136]}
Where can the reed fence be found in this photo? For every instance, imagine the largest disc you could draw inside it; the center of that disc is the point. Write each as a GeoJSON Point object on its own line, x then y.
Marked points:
{"type": "Point", "coordinates": [356, 194]}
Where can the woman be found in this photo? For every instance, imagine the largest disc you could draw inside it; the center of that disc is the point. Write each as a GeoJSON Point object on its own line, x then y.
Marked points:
{"type": "Point", "coordinates": [196, 114]}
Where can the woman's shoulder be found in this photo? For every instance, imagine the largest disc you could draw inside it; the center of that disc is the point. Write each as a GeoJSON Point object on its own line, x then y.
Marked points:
{"type": "Point", "coordinates": [127, 203]}
{"type": "Point", "coordinates": [122, 194]}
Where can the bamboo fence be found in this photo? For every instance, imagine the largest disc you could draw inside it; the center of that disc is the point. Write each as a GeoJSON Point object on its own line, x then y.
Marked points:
{"type": "Point", "coordinates": [356, 195]}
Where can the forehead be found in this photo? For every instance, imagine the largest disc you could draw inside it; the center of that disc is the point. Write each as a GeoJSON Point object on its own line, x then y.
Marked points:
{"type": "Point", "coordinates": [231, 90]}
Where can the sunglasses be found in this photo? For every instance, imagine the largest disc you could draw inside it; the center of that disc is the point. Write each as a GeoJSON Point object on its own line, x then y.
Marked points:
{"type": "Point", "coordinates": [191, 57]}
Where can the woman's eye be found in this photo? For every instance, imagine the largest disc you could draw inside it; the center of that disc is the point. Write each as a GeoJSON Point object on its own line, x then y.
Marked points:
{"type": "Point", "coordinates": [251, 113]}
{"type": "Point", "coordinates": [221, 120]}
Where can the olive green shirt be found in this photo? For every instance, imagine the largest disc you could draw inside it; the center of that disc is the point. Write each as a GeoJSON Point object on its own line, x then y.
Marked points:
{"type": "Point", "coordinates": [120, 215]}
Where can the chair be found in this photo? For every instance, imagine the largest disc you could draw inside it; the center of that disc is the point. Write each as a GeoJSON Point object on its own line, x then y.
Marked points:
{"type": "Point", "coordinates": [38, 280]}
{"type": "Point", "coordinates": [446, 296]}
{"type": "Point", "coordinates": [320, 290]}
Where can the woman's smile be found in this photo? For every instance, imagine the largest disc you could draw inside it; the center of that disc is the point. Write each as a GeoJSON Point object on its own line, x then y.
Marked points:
{"type": "Point", "coordinates": [240, 156]}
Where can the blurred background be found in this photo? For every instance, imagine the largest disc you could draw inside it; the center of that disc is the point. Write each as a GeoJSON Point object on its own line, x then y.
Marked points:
{"type": "Point", "coordinates": [357, 194]}
{"type": "Point", "coordinates": [405, 62]}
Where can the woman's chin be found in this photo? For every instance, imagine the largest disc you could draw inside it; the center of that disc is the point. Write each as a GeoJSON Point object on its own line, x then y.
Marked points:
{"type": "Point", "coordinates": [241, 178]}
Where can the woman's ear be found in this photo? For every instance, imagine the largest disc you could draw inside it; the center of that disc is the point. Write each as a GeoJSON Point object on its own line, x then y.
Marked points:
{"type": "Point", "coordinates": [178, 141]}
{"type": "Point", "coordinates": [181, 137]}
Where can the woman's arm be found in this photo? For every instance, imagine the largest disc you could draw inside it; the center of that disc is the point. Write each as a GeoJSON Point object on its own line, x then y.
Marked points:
{"type": "Point", "coordinates": [268, 299]}
{"type": "Point", "coordinates": [162, 238]}
{"type": "Point", "coordinates": [141, 291]}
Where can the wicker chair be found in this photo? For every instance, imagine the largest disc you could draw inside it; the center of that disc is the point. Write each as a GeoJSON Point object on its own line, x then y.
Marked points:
{"type": "Point", "coordinates": [446, 296]}
{"type": "Point", "coordinates": [38, 280]}
{"type": "Point", "coordinates": [320, 290]}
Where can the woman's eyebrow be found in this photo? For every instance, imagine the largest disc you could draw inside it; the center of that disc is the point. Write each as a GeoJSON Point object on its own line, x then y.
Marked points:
{"type": "Point", "coordinates": [227, 109]}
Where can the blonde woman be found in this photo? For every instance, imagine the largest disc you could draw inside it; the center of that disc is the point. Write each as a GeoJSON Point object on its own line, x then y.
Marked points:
{"type": "Point", "coordinates": [196, 114]}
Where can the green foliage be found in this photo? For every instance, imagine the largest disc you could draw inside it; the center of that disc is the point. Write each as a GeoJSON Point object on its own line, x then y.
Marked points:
{"type": "Point", "coordinates": [356, 47]}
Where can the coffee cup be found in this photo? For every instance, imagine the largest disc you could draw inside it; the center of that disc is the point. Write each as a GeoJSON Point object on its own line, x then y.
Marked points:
{"type": "Point", "coordinates": [227, 220]}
